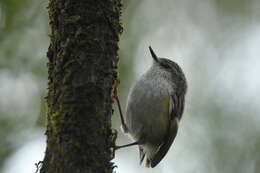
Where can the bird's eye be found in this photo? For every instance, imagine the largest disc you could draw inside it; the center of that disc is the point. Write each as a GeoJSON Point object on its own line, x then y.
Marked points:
{"type": "Point", "coordinates": [166, 66]}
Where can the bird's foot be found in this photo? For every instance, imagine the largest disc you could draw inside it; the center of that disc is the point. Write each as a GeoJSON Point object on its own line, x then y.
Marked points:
{"type": "Point", "coordinates": [114, 89]}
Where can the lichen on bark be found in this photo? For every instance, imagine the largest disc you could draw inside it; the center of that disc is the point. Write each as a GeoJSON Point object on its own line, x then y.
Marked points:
{"type": "Point", "coordinates": [82, 67]}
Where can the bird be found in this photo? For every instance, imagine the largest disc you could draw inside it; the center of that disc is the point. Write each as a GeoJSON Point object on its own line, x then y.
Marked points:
{"type": "Point", "coordinates": [155, 105]}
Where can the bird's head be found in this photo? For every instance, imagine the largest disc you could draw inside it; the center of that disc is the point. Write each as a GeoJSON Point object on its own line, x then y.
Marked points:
{"type": "Point", "coordinates": [171, 68]}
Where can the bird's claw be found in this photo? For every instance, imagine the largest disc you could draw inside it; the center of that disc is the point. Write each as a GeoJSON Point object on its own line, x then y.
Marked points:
{"type": "Point", "coordinates": [115, 85]}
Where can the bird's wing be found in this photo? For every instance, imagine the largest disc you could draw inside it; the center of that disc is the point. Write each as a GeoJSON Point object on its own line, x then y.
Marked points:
{"type": "Point", "coordinates": [163, 149]}
{"type": "Point", "coordinates": [175, 109]}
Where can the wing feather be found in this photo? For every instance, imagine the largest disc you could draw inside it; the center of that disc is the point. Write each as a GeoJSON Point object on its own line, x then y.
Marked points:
{"type": "Point", "coordinates": [163, 149]}
{"type": "Point", "coordinates": [176, 109]}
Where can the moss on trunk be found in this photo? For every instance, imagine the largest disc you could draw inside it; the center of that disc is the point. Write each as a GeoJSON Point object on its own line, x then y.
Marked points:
{"type": "Point", "coordinates": [82, 67]}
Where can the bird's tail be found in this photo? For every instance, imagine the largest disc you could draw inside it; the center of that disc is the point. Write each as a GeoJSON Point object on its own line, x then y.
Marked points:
{"type": "Point", "coordinates": [147, 152]}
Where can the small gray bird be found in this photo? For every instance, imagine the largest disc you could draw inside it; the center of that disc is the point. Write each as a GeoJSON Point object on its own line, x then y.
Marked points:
{"type": "Point", "coordinates": [154, 108]}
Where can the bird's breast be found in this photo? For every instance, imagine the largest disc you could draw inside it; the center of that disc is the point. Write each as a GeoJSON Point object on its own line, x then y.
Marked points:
{"type": "Point", "coordinates": [147, 113]}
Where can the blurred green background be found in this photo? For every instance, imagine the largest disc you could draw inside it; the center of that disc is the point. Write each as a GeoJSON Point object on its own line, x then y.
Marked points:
{"type": "Point", "coordinates": [216, 42]}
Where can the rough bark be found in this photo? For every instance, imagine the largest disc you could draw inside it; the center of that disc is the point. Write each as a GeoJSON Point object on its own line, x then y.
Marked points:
{"type": "Point", "coordinates": [82, 68]}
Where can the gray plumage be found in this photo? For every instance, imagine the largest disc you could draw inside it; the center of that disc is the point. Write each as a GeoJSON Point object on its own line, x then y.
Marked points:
{"type": "Point", "coordinates": [154, 108]}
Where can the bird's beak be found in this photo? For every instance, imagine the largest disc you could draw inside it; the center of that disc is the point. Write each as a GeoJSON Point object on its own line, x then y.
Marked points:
{"type": "Point", "coordinates": [155, 58]}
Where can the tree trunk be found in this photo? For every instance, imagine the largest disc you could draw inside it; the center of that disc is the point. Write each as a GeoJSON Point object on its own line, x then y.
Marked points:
{"type": "Point", "coordinates": [82, 68]}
